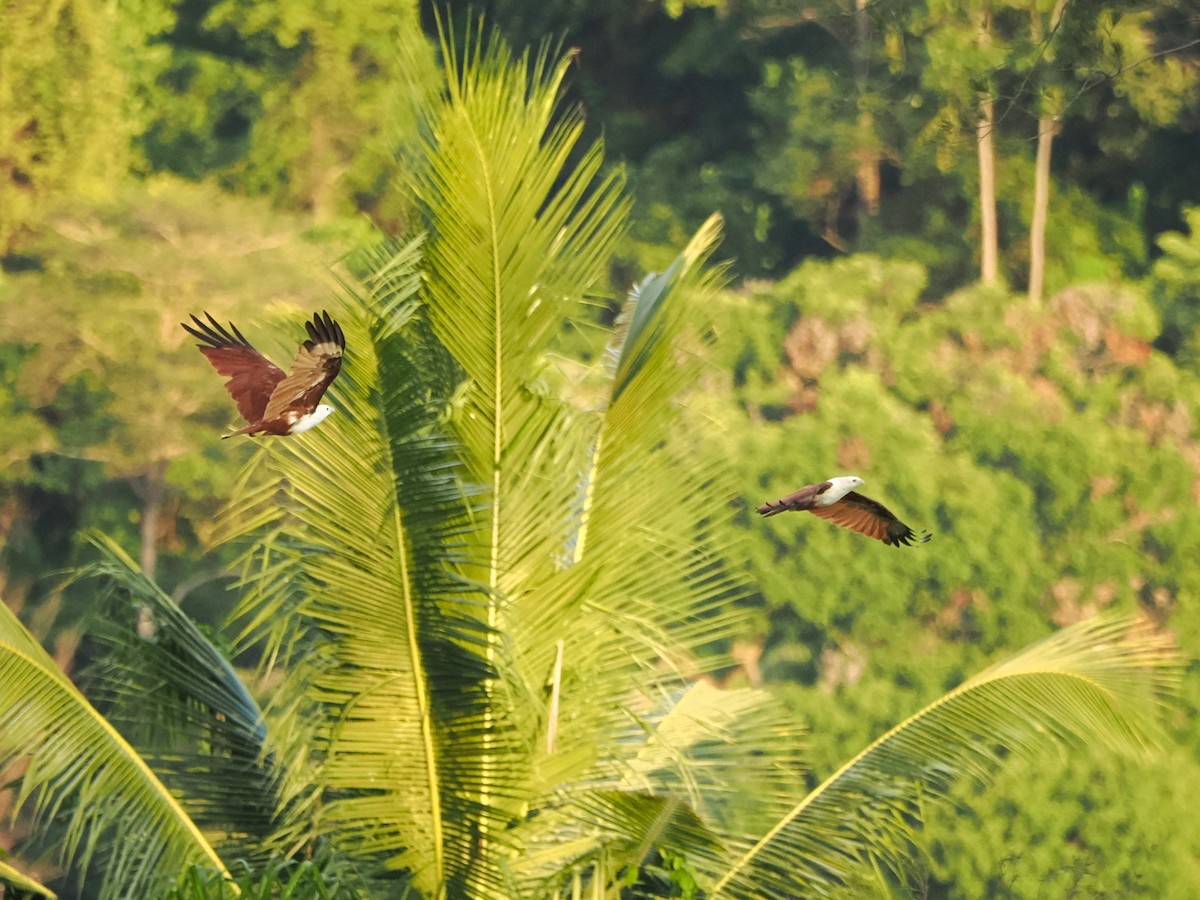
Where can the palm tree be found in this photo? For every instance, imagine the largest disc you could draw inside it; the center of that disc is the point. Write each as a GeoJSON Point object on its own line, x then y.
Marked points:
{"type": "Point", "coordinates": [486, 595]}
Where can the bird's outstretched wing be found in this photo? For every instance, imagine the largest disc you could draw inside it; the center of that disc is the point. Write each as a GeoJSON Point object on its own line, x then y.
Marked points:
{"type": "Point", "coordinates": [317, 363]}
{"type": "Point", "coordinates": [252, 377]}
{"type": "Point", "coordinates": [869, 517]}
{"type": "Point", "coordinates": [801, 499]}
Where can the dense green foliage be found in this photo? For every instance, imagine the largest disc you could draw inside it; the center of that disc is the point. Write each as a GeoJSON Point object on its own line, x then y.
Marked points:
{"type": "Point", "coordinates": [1053, 448]}
{"type": "Point", "coordinates": [1053, 452]}
{"type": "Point", "coordinates": [777, 116]}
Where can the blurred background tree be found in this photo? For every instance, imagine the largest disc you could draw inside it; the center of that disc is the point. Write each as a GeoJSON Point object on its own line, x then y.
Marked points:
{"type": "Point", "coordinates": [62, 97]}
{"type": "Point", "coordinates": [305, 103]}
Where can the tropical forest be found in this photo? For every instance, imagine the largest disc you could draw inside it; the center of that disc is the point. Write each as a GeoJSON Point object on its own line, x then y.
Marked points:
{"type": "Point", "coordinates": [685, 449]}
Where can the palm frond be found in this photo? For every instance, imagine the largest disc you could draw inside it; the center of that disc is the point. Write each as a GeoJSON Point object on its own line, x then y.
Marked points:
{"type": "Point", "coordinates": [425, 559]}
{"type": "Point", "coordinates": [386, 637]}
{"type": "Point", "coordinates": [1101, 681]}
{"type": "Point", "coordinates": [648, 474]}
{"type": "Point", "coordinates": [651, 322]}
{"type": "Point", "coordinates": [175, 696]}
{"type": "Point", "coordinates": [10, 877]}
{"type": "Point", "coordinates": [637, 824]}
{"type": "Point", "coordinates": [644, 357]}
{"type": "Point", "coordinates": [604, 832]}
{"type": "Point", "coordinates": [83, 777]}
{"type": "Point", "coordinates": [706, 745]}
{"type": "Point", "coordinates": [519, 235]}
{"type": "Point", "coordinates": [721, 760]}
{"type": "Point", "coordinates": [637, 593]}
{"type": "Point", "coordinates": [521, 230]}
{"type": "Point", "coordinates": [323, 875]}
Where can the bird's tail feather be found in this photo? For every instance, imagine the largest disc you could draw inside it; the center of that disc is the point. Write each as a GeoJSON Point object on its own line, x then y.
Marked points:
{"type": "Point", "coordinates": [249, 429]}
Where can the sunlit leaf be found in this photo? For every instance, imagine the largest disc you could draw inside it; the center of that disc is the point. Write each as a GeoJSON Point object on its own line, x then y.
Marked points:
{"type": "Point", "coordinates": [1101, 681]}
{"type": "Point", "coordinates": [83, 776]}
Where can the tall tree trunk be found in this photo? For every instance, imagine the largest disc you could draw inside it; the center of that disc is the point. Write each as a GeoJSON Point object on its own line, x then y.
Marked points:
{"type": "Point", "coordinates": [325, 166]}
{"type": "Point", "coordinates": [153, 493]}
{"type": "Point", "coordinates": [1047, 129]}
{"type": "Point", "coordinates": [989, 253]}
{"type": "Point", "coordinates": [867, 174]}
{"type": "Point", "coordinates": [326, 170]}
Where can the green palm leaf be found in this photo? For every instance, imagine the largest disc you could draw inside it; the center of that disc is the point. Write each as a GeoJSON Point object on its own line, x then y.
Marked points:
{"type": "Point", "coordinates": [10, 877]}
{"type": "Point", "coordinates": [605, 833]}
{"type": "Point", "coordinates": [179, 701]}
{"type": "Point", "coordinates": [519, 237]}
{"type": "Point", "coordinates": [1099, 681]}
{"type": "Point", "coordinates": [357, 592]}
{"type": "Point", "coordinates": [644, 462]}
{"type": "Point", "coordinates": [418, 587]}
{"type": "Point", "coordinates": [82, 776]}
{"type": "Point", "coordinates": [634, 585]}
{"type": "Point", "coordinates": [705, 745]}
{"type": "Point", "coordinates": [692, 776]}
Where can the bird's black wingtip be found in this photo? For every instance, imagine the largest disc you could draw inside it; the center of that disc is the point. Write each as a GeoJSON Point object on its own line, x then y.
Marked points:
{"type": "Point", "coordinates": [324, 329]}
{"type": "Point", "coordinates": [213, 333]}
{"type": "Point", "coordinates": [909, 538]}
{"type": "Point", "coordinates": [198, 330]}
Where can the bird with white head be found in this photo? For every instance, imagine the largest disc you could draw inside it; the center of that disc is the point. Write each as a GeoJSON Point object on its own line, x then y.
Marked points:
{"type": "Point", "coordinates": [837, 501]}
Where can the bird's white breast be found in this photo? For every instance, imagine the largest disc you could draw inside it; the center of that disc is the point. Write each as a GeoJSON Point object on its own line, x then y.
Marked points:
{"type": "Point", "coordinates": [309, 420]}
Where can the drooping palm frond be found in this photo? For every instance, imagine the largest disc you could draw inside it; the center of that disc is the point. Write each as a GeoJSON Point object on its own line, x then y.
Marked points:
{"type": "Point", "coordinates": [19, 881]}
{"type": "Point", "coordinates": [606, 833]}
{"type": "Point", "coordinates": [711, 764]}
{"type": "Point", "coordinates": [176, 697]}
{"type": "Point", "coordinates": [83, 778]}
{"type": "Point", "coordinates": [706, 745]}
{"type": "Point", "coordinates": [635, 825]}
{"type": "Point", "coordinates": [1101, 681]}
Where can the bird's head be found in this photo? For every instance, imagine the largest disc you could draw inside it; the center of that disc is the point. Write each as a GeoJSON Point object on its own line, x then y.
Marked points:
{"type": "Point", "coordinates": [321, 413]}
{"type": "Point", "coordinates": [842, 485]}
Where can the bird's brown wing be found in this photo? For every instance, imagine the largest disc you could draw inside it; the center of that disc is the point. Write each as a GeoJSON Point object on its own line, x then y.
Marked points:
{"type": "Point", "coordinates": [252, 377]}
{"type": "Point", "coordinates": [869, 517]}
{"type": "Point", "coordinates": [317, 363]}
{"type": "Point", "coordinates": [801, 499]}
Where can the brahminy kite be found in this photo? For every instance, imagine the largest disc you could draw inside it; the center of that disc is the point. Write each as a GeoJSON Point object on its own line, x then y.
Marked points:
{"type": "Point", "coordinates": [837, 501]}
{"type": "Point", "coordinates": [274, 403]}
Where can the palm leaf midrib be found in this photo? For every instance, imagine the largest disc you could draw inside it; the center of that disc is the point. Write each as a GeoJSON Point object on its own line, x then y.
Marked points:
{"type": "Point", "coordinates": [1071, 666]}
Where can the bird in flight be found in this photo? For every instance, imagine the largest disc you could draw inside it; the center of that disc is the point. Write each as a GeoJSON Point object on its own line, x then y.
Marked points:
{"type": "Point", "coordinates": [271, 402]}
{"type": "Point", "coordinates": [837, 501]}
